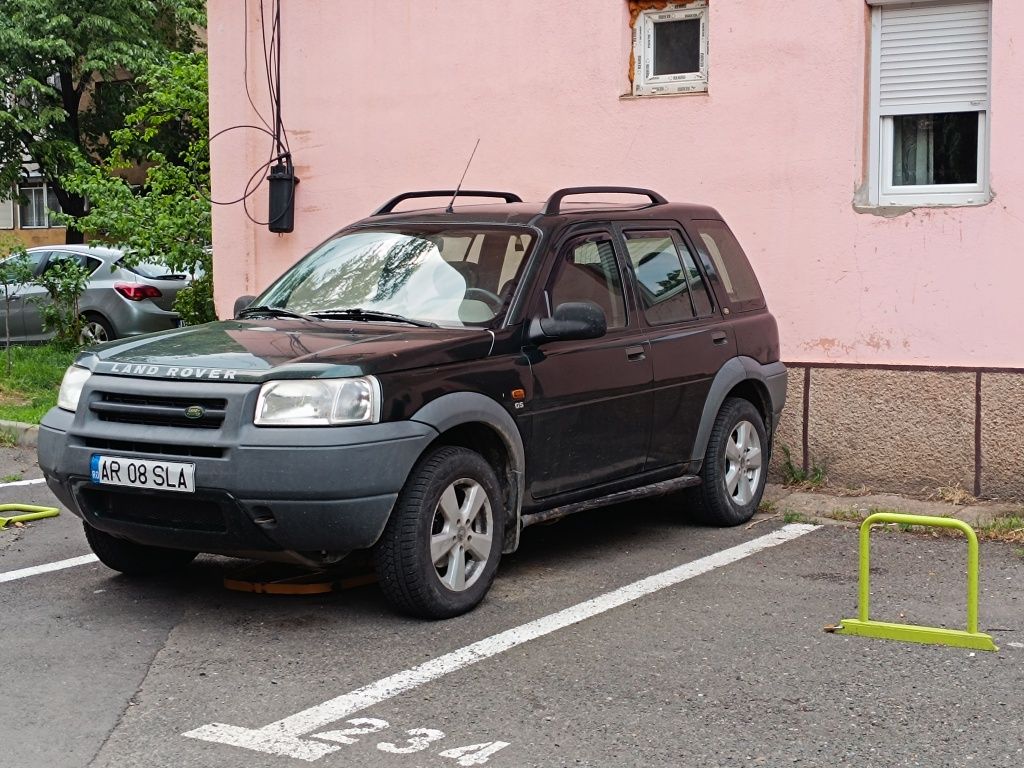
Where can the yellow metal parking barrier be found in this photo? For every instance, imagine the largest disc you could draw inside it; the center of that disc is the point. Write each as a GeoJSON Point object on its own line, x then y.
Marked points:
{"type": "Point", "coordinates": [30, 512]}
{"type": "Point", "coordinates": [865, 627]}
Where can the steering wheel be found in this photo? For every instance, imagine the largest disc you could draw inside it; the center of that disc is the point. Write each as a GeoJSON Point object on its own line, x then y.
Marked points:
{"type": "Point", "coordinates": [493, 301]}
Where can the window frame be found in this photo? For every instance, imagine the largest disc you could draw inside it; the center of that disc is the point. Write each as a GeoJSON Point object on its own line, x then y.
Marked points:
{"type": "Point", "coordinates": [645, 84]}
{"type": "Point", "coordinates": [881, 191]}
{"type": "Point", "coordinates": [10, 206]}
{"type": "Point", "coordinates": [47, 194]}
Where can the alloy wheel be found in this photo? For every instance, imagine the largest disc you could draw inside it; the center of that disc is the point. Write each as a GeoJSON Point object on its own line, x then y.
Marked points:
{"type": "Point", "coordinates": [742, 463]}
{"type": "Point", "coordinates": [461, 535]}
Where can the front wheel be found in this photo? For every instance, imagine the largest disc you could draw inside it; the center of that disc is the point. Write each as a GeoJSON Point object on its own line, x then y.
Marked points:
{"type": "Point", "coordinates": [134, 559]}
{"type": "Point", "coordinates": [735, 466]}
{"type": "Point", "coordinates": [440, 550]}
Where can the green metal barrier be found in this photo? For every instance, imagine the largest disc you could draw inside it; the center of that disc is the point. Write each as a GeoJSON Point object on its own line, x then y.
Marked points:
{"type": "Point", "coordinates": [31, 512]}
{"type": "Point", "coordinates": [865, 627]}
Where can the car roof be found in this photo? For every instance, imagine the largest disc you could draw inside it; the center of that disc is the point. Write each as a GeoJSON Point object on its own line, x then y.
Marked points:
{"type": "Point", "coordinates": [99, 251]}
{"type": "Point", "coordinates": [555, 210]}
{"type": "Point", "coordinates": [531, 214]}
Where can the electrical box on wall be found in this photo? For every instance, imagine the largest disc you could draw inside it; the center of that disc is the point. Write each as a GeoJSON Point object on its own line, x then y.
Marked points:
{"type": "Point", "coordinates": [281, 216]}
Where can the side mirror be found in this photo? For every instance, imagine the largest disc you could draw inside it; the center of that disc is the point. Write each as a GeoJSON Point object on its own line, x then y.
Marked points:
{"type": "Point", "coordinates": [241, 303]}
{"type": "Point", "coordinates": [571, 320]}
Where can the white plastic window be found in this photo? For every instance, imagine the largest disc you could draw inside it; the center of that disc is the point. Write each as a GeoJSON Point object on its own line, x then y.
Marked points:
{"type": "Point", "coordinates": [930, 85]}
{"type": "Point", "coordinates": [670, 49]}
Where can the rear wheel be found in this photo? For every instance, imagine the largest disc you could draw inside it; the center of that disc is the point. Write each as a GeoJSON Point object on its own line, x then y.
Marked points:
{"type": "Point", "coordinates": [96, 329]}
{"type": "Point", "coordinates": [135, 559]}
{"type": "Point", "coordinates": [735, 466]}
{"type": "Point", "coordinates": [440, 550]}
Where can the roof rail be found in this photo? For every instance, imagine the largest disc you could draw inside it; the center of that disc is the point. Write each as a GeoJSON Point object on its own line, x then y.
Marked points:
{"type": "Point", "coordinates": [553, 205]}
{"type": "Point", "coordinates": [389, 206]}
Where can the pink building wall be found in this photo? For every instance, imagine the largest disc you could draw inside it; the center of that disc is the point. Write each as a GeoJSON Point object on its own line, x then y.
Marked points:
{"type": "Point", "coordinates": [389, 95]}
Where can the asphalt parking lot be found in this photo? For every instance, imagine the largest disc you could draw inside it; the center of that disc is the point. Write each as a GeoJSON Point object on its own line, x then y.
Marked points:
{"type": "Point", "coordinates": [722, 662]}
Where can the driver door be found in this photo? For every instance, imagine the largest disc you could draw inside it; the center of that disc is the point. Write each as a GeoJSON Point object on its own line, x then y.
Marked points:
{"type": "Point", "coordinates": [591, 410]}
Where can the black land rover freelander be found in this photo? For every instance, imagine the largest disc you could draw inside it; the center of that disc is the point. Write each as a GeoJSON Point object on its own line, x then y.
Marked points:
{"type": "Point", "coordinates": [426, 384]}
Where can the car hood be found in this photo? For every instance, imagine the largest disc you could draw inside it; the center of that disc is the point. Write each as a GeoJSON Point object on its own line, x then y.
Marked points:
{"type": "Point", "coordinates": [258, 350]}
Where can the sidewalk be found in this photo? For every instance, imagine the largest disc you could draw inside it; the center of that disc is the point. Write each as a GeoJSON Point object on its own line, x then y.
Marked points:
{"type": "Point", "coordinates": [831, 505]}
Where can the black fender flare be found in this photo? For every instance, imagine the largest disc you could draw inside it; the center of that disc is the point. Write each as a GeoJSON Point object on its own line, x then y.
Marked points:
{"type": "Point", "coordinates": [771, 377]}
{"type": "Point", "coordinates": [458, 408]}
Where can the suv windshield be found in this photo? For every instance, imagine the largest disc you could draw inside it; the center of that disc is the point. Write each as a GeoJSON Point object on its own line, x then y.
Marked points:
{"type": "Point", "coordinates": [446, 276]}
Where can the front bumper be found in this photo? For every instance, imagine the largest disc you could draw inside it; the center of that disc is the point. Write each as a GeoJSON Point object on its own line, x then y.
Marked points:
{"type": "Point", "coordinates": [312, 491]}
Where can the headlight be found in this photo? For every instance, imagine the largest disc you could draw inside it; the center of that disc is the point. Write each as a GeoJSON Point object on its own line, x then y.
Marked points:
{"type": "Point", "coordinates": [318, 402]}
{"type": "Point", "coordinates": [71, 388]}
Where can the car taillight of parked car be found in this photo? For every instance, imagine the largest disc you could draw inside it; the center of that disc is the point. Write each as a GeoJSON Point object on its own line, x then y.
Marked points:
{"type": "Point", "coordinates": [137, 292]}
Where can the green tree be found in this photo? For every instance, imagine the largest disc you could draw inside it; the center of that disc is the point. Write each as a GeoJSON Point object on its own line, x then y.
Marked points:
{"type": "Point", "coordinates": [168, 219]}
{"type": "Point", "coordinates": [65, 79]}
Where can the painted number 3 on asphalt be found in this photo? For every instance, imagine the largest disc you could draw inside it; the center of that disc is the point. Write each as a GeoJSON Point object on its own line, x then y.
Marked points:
{"type": "Point", "coordinates": [419, 739]}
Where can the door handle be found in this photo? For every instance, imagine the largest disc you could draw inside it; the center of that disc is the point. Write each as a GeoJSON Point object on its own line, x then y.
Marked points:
{"type": "Point", "coordinates": [635, 353]}
{"type": "Point", "coordinates": [719, 338]}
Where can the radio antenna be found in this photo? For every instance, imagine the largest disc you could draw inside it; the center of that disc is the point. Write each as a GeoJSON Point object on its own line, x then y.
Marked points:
{"type": "Point", "coordinates": [455, 194]}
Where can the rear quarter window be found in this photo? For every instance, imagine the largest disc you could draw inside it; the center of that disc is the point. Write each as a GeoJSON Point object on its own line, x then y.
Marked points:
{"type": "Point", "coordinates": [727, 265]}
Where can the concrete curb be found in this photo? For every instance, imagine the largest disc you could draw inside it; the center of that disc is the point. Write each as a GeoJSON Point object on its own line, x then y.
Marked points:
{"type": "Point", "coordinates": [825, 504]}
{"type": "Point", "coordinates": [25, 435]}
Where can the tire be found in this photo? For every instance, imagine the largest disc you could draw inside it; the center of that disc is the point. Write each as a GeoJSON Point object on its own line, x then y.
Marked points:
{"type": "Point", "coordinates": [134, 559]}
{"type": "Point", "coordinates": [735, 466]}
{"type": "Point", "coordinates": [450, 504]}
{"type": "Point", "coordinates": [96, 329]}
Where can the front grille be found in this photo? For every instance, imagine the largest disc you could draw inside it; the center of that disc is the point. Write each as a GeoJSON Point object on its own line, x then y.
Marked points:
{"type": "Point", "coordinates": [159, 411]}
{"type": "Point", "coordinates": [161, 449]}
{"type": "Point", "coordinates": [181, 512]}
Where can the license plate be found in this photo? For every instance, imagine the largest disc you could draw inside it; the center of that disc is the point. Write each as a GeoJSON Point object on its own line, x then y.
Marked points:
{"type": "Point", "coordinates": [143, 473]}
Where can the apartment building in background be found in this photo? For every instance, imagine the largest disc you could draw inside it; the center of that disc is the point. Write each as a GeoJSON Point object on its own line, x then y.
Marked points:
{"type": "Point", "coordinates": [866, 153]}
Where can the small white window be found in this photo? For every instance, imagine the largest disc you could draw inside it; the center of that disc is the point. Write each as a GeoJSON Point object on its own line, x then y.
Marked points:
{"type": "Point", "coordinates": [40, 200]}
{"type": "Point", "coordinates": [930, 103]}
{"type": "Point", "coordinates": [670, 49]}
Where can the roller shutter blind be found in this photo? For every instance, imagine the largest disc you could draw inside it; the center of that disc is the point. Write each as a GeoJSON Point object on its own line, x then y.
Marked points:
{"type": "Point", "coordinates": [934, 58]}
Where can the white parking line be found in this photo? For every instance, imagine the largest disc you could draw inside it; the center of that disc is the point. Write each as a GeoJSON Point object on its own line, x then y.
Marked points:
{"type": "Point", "coordinates": [24, 573]}
{"type": "Point", "coordinates": [283, 736]}
{"type": "Point", "coordinates": [36, 481]}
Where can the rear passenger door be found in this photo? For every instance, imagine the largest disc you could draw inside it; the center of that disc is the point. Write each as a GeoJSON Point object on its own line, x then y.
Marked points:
{"type": "Point", "coordinates": [688, 339]}
{"type": "Point", "coordinates": [591, 410]}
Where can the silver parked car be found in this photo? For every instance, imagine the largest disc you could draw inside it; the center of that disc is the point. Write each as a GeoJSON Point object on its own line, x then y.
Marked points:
{"type": "Point", "coordinates": [119, 300]}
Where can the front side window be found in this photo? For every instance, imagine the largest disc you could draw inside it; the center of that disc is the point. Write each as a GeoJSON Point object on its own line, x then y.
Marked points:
{"type": "Point", "coordinates": [670, 48]}
{"type": "Point", "coordinates": [449, 276]}
{"type": "Point", "coordinates": [588, 271]}
{"type": "Point", "coordinates": [930, 101]}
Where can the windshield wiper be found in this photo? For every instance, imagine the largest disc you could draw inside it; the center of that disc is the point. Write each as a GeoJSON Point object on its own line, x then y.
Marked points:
{"type": "Point", "coordinates": [357, 313]}
{"type": "Point", "coordinates": [275, 312]}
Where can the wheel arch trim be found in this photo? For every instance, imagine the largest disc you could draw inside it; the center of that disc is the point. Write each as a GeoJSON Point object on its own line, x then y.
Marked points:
{"type": "Point", "coordinates": [466, 408]}
{"type": "Point", "coordinates": [772, 381]}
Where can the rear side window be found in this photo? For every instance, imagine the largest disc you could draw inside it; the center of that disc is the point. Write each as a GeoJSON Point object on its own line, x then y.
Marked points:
{"type": "Point", "coordinates": [726, 264]}
{"type": "Point", "coordinates": [58, 257]}
{"type": "Point", "coordinates": [660, 277]}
